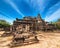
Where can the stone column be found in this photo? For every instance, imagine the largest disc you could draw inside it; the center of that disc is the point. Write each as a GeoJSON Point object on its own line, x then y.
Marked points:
{"type": "Point", "coordinates": [27, 28]}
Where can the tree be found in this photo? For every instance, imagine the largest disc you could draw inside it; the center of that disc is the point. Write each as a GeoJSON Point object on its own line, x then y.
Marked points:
{"type": "Point", "coordinates": [59, 20]}
{"type": "Point", "coordinates": [4, 23]}
{"type": "Point", "coordinates": [58, 24]}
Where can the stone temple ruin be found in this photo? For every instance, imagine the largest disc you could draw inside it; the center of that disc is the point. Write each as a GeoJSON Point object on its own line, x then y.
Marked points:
{"type": "Point", "coordinates": [24, 29]}
{"type": "Point", "coordinates": [28, 23]}
{"type": "Point", "coordinates": [31, 24]}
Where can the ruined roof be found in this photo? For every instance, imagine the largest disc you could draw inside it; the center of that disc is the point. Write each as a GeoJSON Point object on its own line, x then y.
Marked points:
{"type": "Point", "coordinates": [30, 18]}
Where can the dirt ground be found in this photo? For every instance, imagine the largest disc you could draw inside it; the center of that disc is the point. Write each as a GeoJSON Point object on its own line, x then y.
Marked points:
{"type": "Point", "coordinates": [46, 40]}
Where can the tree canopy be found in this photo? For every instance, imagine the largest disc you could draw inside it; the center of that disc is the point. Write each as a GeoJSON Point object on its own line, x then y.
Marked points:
{"type": "Point", "coordinates": [4, 23]}
{"type": "Point", "coordinates": [59, 20]}
{"type": "Point", "coordinates": [57, 23]}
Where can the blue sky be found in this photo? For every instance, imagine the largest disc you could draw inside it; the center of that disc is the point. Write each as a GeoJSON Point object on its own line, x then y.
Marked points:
{"type": "Point", "coordinates": [11, 9]}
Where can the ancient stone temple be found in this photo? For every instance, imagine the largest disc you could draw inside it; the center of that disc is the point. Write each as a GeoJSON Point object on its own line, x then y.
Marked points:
{"type": "Point", "coordinates": [24, 29]}
{"type": "Point", "coordinates": [28, 24]}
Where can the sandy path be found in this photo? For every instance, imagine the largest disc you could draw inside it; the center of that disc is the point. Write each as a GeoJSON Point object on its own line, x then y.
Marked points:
{"type": "Point", "coordinates": [47, 40]}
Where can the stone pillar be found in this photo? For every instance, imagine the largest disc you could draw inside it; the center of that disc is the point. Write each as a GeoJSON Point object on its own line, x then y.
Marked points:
{"type": "Point", "coordinates": [19, 28]}
{"type": "Point", "coordinates": [27, 28]}
{"type": "Point", "coordinates": [11, 28]}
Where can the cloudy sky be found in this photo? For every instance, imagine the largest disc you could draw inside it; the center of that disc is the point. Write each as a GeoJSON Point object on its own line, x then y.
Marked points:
{"type": "Point", "coordinates": [11, 9]}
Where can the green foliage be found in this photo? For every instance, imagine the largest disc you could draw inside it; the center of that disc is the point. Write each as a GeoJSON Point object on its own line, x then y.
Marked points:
{"type": "Point", "coordinates": [4, 23]}
{"type": "Point", "coordinates": [58, 20]}
{"type": "Point", "coordinates": [58, 26]}
{"type": "Point", "coordinates": [57, 23]}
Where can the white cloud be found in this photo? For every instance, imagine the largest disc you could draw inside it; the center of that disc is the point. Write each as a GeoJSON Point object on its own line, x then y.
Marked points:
{"type": "Point", "coordinates": [8, 16]}
{"type": "Point", "coordinates": [36, 4]}
{"type": "Point", "coordinates": [52, 9]}
{"type": "Point", "coordinates": [15, 7]}
{"type": "Point", "coordinates": [53, 12]}
{"type": "Point", "coordinates": [2, 17]}
{"type": "Point", "coordinates": [54, 16]}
